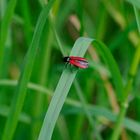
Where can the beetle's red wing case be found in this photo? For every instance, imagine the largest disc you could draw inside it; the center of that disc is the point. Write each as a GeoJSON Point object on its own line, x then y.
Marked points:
{"type": "Point", "coordinates": [78, 58]}
{"type": "Point", "coordinates": [79, 63]}
{"type": "Point", "coordinates": [76, 61]}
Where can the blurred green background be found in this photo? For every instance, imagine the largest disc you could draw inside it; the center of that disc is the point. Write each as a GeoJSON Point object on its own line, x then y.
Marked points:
{"type": "Point", "coordinates": [110, 21]}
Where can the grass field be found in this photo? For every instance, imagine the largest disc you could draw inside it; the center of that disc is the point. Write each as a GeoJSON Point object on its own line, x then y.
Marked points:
{"type": "Point", "coordinates": [42, 98]}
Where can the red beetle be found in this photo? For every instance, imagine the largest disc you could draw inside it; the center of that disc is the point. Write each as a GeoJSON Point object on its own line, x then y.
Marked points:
{"type": "Point", "coordinates": [76, 61]}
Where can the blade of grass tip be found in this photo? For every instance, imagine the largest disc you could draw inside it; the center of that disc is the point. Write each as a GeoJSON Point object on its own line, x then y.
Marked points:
{"type": "Point", "coordinates": [61, 91]}
{"type": "Point", "coordinates": [114, 70]}
{"type": "Point", "coordinates": [20, 92]}
{"type": "Point", "coordinates": [94, 110]}
{"type": "Point", "coordinates": [4, 30]}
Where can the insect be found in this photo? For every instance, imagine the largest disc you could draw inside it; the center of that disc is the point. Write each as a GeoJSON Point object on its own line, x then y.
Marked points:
{"type": "Point", "coordinates": [76, 61]}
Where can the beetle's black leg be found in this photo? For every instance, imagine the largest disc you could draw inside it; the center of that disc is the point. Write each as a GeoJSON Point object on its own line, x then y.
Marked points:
{"type": "Point", "coordinates": [66, 65]}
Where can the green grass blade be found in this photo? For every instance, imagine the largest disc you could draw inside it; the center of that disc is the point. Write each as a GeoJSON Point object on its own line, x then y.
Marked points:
{"type": "Point", "coordinates": [27, 20]}
{"type": "Point", "coordinates": [127, 123]}
{"type": "Point", "coordinates": [115, 73]}
{"type": "Point", "coordinates": [42, 78]}
{"type": "Point", "coordinates": [135, 2]}
{"type": "Point", "coordinates": [128, 87]}
{"type": "Point", "coordinates": [56, 35]}
{"type": "Point", "coordinates": [101, 112]}
{"type": "Point", "coordinates": [84, 104]}
{"type": "Point", "coordinates": [4, 30]}
{"type": "Point", "coordinates": [24, 118]}
{"type": "Point", "coordinates": [20, 94]}
{"type": "Point", "coordinates": [63, 128]}
{"type": "Point", "coordinates": [61, 91]}
{"type": "Point", "coordinates": [86, 110]}
{"type": "Point", "coordinates": [137, 15]}
{"type": "Point", "coordinates": [96, 111]}
{"type": "Point", "coordinates": [32, 86]}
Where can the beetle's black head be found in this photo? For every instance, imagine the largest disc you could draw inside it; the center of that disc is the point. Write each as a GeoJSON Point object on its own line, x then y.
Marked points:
{"type": "Point", "coordinates": [66, 59]}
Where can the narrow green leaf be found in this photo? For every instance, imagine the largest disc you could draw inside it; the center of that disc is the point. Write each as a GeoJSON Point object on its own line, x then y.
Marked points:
{"type": "Point", "coordinates": [6, 82]}
{"type": "Point", "coordinates": [135, 2]}
{"type": "Point", "coordinates": [24, 118]}
{"type": "Point", "coordinates": [83, 102]}
{"type": "Point", "coordinates": [100, 112]}
{"type": "Point", "coordinates": [92, 123]}
{"type": "Point", "coordinates": [20, 94]}
{"type": "Point", "coordinates": [128, 123]}
{"type": "Point", "coordinates": [128, 87]}
{"type": "Point", "coordinates": [4, 30]}
{"type": "Point", "coordinates": [61, 91]}
{"type": "Point", "coordinates": [137, 15]}
{"type": "Point", "coordinates": [96, 111]}
{"type": "Point", "coordinates": [114, 70]}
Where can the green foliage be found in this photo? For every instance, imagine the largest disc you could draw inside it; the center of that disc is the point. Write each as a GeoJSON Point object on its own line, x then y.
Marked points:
{"type": "Point", "coordinates": [41, 98]}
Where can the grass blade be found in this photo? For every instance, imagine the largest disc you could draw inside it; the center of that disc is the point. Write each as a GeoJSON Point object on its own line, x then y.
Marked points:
{"type": "Point", "coordinates": [135, 2]}
{"type": "Point", "coordinates": [86, 110]}
{"type": "Point", "coordinates": [20, 94]}
{"type": "Point", "coordinates": [96, 111]}
{"type": "Point", "coordinates": [128, 87]}
{"type": "Point", "coordinates": [137, 15]}
{"type": "Point", "coordinates": [100, 112]}
{"type": "Point", "coordinates": [4, 30]}
{"type": "Point", "coordinates": [32, 86]}
{"type": "Point", "coordinates": [115, 73]}
{"type": "Point", "coordinates": [42, 78]}
{"type": "Point", "coordinates": [24, 118]}
{"type": "Point", "coordinates": [61, 91]}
